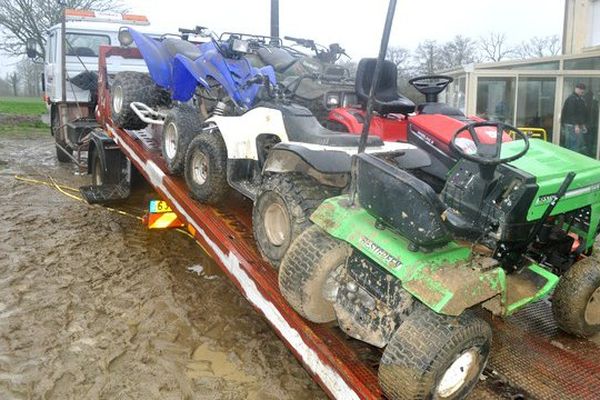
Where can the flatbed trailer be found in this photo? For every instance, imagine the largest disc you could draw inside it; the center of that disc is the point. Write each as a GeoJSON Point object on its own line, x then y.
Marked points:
{"type": "Point", "coordinates": [530, 359]}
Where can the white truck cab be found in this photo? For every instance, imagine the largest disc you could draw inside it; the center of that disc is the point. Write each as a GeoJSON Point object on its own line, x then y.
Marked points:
{"type": "Point", "coordinates": [85, 32]}
{"type": "Point", "coordinates": [71, 64]}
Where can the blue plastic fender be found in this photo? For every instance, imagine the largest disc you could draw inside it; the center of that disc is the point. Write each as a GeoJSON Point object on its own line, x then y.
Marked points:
{"type": "Point", "coordinates": [157, 58]}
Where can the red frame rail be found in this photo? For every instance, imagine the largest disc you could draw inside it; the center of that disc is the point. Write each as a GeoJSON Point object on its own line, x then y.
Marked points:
{"type": "Point", "coordinates": [535, 359]}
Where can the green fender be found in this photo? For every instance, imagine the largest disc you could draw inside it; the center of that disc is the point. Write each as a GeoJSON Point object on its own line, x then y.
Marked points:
{"type": "Point", "coordinates": [449, 279]}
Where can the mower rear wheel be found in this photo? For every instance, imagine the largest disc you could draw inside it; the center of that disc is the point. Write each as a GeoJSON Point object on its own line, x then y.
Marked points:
{"type": "Point", "coordinates": [206, 168]}
{"type": "Point", "coordinates": [307, 273]}
{"type": "Point", "coordinates": [181, 125]}
{"type": "Point", "coordinates": [282, 209]}
{"type": "Point", "coordinates": [576, 299]}
{"type": "Point", "coordinates": [433, 356]}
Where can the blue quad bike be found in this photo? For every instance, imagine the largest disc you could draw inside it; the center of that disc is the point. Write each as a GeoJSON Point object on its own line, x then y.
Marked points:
{"type": "Point", "coordinates": [187, 83]}
{"type": "Point", "coordinates": [228, 125]}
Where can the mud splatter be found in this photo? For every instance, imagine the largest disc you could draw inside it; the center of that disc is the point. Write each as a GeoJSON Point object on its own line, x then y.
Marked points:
{"type": "Point", "coordinates": [93, 306]}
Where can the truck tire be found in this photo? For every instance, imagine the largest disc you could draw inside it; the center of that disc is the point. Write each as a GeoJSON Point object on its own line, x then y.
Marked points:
{"type": "Point", "coordinates": [282, 209]}
{"type": "Point", "coordinates": [115, 161]}
{"type": "Point", "coordinates": [55, 130]}
{"type": "Point", "coordinates": [433, 356]}
{"type": "Point", "coordinates": [307, 272]}
{"type": "Point", "coordinates": [206, 168]}
{"type": "Point", "coordinates": [181, 124]}
{"type": "Point", "coordinates": [129, 87]}
{"type": "Point", "coordinates": [576, 299]}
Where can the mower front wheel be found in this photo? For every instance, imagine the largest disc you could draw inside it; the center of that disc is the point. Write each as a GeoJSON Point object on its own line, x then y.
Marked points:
{"type": "Point", "coordinates": [307, 273]}
{"type": "Point", "coordinates": [576, 299]}
{"type": "Point", "coordinates": [282, 209]}
{"type": "Point", "coordinates": [206, 168]}
{"type": "Point", "coordinates": [433, 356]}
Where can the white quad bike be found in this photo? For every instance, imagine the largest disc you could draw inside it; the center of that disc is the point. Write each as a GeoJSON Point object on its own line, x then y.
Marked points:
{"type": "Point", "coordinates": [277, 154]}
{"type": "Point", "coordinates": [281, 157]}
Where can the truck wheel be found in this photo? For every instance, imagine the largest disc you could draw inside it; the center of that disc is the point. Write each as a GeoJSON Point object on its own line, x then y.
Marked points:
{"type": "Point", "coordinates": [181, 124]}
{"type": "Point", "coordinates": [55, 129]}
{"type": "Point", "coordinates": [576, 299]}
{"type": "Point", "coordinates": [282, 210]}
{"type": "Point", "coordinates": [115, 161]}
{"type": "Point", "coordinates": [129, 87]}
{"type": "Point", "coordinates": [306, 276]}
{"type": "Point", "coordinates": [433, 356]}
{"type": "Point", "coordinates": [206, 168]}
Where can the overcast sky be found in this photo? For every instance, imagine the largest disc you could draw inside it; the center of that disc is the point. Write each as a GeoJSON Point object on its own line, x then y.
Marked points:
{"type": "Point", "coordinates": [357, 25]}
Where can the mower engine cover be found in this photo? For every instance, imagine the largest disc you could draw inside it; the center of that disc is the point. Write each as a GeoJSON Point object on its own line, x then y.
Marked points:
{"type": "Point", "coordinates": [505, 210]}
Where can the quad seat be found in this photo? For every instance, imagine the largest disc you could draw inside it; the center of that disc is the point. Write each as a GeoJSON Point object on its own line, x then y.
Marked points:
{"type": "Point", "coordinates": [302, 126]}
{"type": "Point", "coordinates": [278, 58]}
{"type": "Point", "coordinates": [387, 99]}
{"type": "Point", "coordinates": [183, 47]}
{"type": "Point", "coordinates": [401, 202]}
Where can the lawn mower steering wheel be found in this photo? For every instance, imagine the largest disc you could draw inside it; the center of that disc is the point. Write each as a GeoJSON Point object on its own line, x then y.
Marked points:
{"type": "Point", "coordinates": [489, 154]}
{"type": "Point", "coordinates": [431, 85]}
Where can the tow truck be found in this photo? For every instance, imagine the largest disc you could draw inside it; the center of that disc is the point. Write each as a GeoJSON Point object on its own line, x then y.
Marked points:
{"type": "Point", "coordinates": [531, 358]}
{"type": "Point", "coordinates": [71, 74]}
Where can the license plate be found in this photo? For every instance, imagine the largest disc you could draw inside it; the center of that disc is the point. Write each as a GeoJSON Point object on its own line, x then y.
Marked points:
{"type": "Point", "coordinates": [159, 207]}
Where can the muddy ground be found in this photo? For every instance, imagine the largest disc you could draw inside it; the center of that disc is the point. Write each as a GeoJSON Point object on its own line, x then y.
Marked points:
{"type": "Point", "coordinates": [94, 306]}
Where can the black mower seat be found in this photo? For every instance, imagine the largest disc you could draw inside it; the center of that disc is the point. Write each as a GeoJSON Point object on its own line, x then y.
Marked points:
{"type": "Point", "coordinates": [183, 47]}
{"type": "Point", "coordinates": [278, 58]}
{"type": "Point", "coordinates": [302, 126]}
{"type": "Point", "coordinates": [387, 99]}
{"type": "Point", "coordinates": [440, 108]}
{"type": "Point", "coordinates": [402, 202]}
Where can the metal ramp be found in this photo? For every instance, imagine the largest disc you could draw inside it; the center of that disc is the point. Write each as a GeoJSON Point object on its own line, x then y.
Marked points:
{"type": "Point", "coordinates": [531, 358]}
{"type": "Point", "coordinates": [104, 193]}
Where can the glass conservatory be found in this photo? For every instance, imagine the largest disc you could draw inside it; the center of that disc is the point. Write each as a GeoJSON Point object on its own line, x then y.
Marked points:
{"type": "Point", "coordinates": [530, 94]}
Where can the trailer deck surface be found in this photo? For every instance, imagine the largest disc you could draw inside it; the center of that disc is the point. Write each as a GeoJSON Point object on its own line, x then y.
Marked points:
{"type": "Point", "coordinates": [531, 357]}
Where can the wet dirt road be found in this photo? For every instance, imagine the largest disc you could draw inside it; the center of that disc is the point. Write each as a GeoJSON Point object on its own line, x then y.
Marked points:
{"type": "Point", "coordinates": [94, 306]}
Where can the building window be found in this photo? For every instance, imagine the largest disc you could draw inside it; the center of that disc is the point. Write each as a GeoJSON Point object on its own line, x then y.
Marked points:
{"type": "Point", "coordinates": [496, 99]}
{"type": "Point", "coordinates": [535, 104]}
{"type": "Point", "coordinates": [591, 63]}
{"type": "Point", "coordinates": [586, 141]}
{"type": "Point", "coordinates": [594, 39]}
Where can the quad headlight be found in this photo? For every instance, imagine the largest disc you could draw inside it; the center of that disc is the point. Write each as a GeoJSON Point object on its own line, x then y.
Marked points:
{"type": "Point", "coordinates": [340, 99]}
{"type": "Point", "coordinates": [332, 100]}
{"type": "Point", "coordinates": [125, 38]}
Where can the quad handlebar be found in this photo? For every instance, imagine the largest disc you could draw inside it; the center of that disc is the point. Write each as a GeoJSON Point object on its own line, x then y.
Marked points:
{"type": "Point", "coordinates": [325, 54]}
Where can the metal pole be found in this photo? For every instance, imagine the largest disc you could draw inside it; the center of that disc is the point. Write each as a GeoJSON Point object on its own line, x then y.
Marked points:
{"type": "Point", "coordinates": [275, 18]}
{"type": "Point", "coordinates": [385, 38]}
{"type": "Point", "coordinates": [63, 52]}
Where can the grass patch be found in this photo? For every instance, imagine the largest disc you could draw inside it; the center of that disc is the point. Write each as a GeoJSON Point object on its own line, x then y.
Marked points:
{"type": "Point", "coordinates": [24, 129]}
{"type": "Point", "coordinates": [22, 105]}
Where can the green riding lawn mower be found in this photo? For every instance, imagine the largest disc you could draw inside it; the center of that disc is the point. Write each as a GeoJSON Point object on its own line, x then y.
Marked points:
{"type": "Point", "coordinates": [405, 269]}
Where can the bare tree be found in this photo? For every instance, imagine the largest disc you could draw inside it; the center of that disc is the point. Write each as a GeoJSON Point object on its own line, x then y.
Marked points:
{"type": "Point", "coordinates": [540, 47]}
{"type": "Point", "coordinates": [401, 57]}
{"type": "Point", "coordinates": [459, 51]}
{"type": "Point", "coordinates": [428, 57]}
{"type": "Point", "coordinates": [494, 47]}
{"type": "Point", "coordinates": [24, 19]}
{"type": "Point", "coordinates": [13, 79]}
{"type": "Point", "coordinates": [30, 76]}
{"type": "Point", "coordinates": [5, 89]}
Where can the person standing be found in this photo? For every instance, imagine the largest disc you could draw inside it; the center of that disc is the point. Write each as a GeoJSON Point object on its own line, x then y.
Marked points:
{"type": "Point", "coordinates": [574, 119]}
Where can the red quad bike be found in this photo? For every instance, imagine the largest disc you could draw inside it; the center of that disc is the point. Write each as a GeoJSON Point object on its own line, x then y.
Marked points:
{"type": "Point", "coordinates": [429, 126]}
